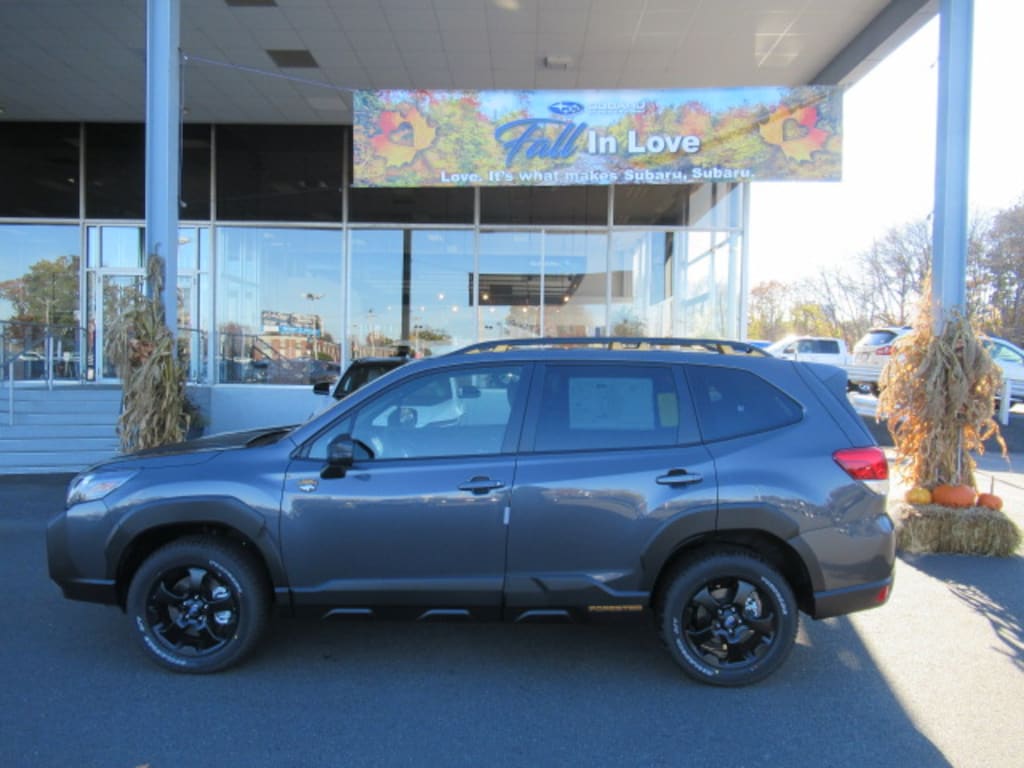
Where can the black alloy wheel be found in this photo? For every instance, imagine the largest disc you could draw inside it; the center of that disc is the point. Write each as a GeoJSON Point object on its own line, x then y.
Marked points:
{"type": "Point", "coordinates": [729, 619]}
{"type": "Point", "coordinates": [198, 604]}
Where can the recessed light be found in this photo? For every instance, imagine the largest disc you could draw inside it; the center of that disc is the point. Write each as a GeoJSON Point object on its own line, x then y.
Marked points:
{"type": "Point", "coordinates": [293, 59]}
{"type": "Point", "coordinates": [557, 62]}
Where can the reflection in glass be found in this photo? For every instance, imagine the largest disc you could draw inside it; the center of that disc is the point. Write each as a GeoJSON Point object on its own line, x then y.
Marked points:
{"type": "Point", "coordinates": [278, 305]}
{"type": "Point", "coordinates": [119, 294]}
{"type": "Point", "coordinates": [375, 292]}
{"type": "Point", "coordinates": [575, 284]}
{"type": "Point", "coordinates": [441, 304]}
{"type": "Point", "coordinates": [511, 285]}
{"type": "Point", "coordinates": [39, 273]}
{"type": "Point", "coordinates": [641, 277]}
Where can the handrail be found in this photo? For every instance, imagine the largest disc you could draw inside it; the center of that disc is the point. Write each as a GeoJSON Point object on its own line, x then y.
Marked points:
{"type": "Point", "coordinates": [43, 352]}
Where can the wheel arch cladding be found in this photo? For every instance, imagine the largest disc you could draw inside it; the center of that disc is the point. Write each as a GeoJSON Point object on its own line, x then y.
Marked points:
{"type": "Point", "coordinates": [153, 525]}
{"type": "Point", "coordinates": [774, 551]}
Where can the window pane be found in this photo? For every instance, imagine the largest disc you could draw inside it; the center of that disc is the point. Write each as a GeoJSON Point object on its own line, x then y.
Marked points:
{"type": "Point", "coordinates": [641, 276]}
{"type": "Point", "coordinates": [650, 205]}
{"type": "Point", "coordinates": [195, 173]}
{"type": "Point", "coordinates": [40, 169]}
{"type": "Point", "coordinates": [463, 411]}
{"type": "Point", "coordinates": [39, 273]}
{"type": "Point", "coordinates": [731, 402]}
{"type": "Point", "coordinates": [115, 171]}
{"type": "Point", "coordinates": [575, 284]}
{"type": "Point", "coordinates": [375, 292]}
{"type": "Point", "coordinates": [715, 206]}
{"type": "Point", "coordinates": [442, 316]}
{"type": "Point", "coordinates": [607, 407]}
{"type": "Point", "coordinates": [433, 206]}
{"type": "Point", "coordinates": [278, 304]}
{"type": "Point", "coordinates": [510, 284]}
{"type": "Point", "coordinates": [544, 205]}
{"type": "Point", "coordinates": [279, 172]}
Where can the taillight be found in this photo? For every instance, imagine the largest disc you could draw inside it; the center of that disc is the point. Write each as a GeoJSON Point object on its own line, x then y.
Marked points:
{"type": "Point", "coordinates": [868, 465]}
{"type": "Point", "coordinates": [886, 350]}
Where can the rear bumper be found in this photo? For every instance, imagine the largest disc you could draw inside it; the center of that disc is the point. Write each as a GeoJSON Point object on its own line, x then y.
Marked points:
{"type": "Point", "coordinates": [837, 602]}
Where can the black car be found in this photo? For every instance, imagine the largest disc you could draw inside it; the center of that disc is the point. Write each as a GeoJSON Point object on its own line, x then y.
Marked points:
{"type": "Point", "coordinates": [700, 482]}
{"type": "Point", "coordinates": [359, 373]}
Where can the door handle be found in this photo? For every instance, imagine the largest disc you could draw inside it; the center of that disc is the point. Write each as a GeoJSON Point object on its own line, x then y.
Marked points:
{"type": "Point", "coordinates": [680, 477]}
{"type": "Point", "coordinates": [481, 485]}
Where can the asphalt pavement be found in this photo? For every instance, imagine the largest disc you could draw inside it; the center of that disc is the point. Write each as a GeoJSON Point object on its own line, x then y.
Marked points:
{"type": "Point", "coordinates": [934, 678]}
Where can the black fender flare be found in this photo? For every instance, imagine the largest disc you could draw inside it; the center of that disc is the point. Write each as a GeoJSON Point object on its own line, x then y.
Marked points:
{"type": "Point", "coordinates": [692, 524]}
{"type": "Point", "coordinates": [216, 510]}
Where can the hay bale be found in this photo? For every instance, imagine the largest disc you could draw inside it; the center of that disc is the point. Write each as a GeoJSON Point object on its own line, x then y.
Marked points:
{"type": "Point", "coordinates": [931, 528]}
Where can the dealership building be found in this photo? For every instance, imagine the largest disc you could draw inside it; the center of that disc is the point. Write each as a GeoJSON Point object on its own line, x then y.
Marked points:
{"type": "Point", "coordinates": [354, 177]}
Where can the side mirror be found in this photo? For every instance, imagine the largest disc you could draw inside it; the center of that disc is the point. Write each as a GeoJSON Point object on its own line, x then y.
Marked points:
{"type": "Point", "coordinates": [340, 457]}
{"type": "Point", "coordinates": [322, 388]}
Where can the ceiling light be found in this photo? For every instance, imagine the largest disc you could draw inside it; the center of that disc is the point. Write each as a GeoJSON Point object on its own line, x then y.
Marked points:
{"type": "Point", "coordinates": [293, 59]}
{"type": "Point", "coordinates": [557, 62]}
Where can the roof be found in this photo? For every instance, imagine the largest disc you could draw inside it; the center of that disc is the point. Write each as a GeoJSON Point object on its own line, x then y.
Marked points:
{"type": "Point", "coordinates": [296, 61]}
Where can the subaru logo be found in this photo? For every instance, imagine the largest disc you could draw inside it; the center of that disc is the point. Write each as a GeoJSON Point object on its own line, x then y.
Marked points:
{"type": "Point", "coordinates": [566, 108]}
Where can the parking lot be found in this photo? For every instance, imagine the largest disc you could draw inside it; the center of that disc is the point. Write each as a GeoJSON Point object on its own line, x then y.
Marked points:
{"type": "Point", "coordinates": [936, 677]}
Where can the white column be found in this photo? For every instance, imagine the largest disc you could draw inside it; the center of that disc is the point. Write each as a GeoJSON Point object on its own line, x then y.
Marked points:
{"type": "Point", "coordinates": [163, 144]}
{"type": "Point", "coordinates": [949, 233]}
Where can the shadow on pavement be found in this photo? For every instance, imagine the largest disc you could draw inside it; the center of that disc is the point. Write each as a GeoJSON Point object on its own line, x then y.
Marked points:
{"type": "Point", "coordinates": [991, 586]}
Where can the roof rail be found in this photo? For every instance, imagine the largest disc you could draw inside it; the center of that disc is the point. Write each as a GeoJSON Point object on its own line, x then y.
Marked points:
{"type": "Point", "coordinates": [718, 346]}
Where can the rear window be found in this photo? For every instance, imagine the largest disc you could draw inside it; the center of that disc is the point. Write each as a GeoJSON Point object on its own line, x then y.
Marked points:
{"type": "Point", "coordinates": [826, 347]}
{"type": "Point", "coordinates": [877, 338]}
{"type": "Point", "coordinates": [732, 402]}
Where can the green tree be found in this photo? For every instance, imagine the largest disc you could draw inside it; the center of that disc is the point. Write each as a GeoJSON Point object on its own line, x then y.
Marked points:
{"type": "Point", "coordinates": [47, 293]}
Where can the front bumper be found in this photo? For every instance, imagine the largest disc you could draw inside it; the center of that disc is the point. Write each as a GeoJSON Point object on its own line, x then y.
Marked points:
{"type": "Point", "coordinates": [77, 580]}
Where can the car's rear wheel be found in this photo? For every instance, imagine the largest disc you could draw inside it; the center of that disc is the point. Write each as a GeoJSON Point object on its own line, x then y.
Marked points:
{"type": "Point", "coordinates": [728, 618]}
{"type": "Point", "coordinates": [198, 604]}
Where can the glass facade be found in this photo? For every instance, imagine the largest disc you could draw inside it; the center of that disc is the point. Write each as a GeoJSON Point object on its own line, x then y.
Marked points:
{"type": "Point", "coordinates": [286, 273]}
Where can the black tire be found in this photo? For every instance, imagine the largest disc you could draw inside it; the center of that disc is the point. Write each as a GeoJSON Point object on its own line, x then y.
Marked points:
{"type": "Point", "coordinates": [198, 604]}
{"type": "Point", "coordinates": [728, 618]}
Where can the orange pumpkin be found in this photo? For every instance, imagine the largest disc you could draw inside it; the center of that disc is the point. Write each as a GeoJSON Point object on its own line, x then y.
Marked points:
{"type": "Point", "coordinates": [953, 495]}
{"type": "Point", "coordinates": [918, 495]}
{"type": "Point", "coordinates": [990, 500]}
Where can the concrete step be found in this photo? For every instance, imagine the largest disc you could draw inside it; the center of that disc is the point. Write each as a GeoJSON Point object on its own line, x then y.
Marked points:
{"type": "Point", "coordinates": [64, 429]}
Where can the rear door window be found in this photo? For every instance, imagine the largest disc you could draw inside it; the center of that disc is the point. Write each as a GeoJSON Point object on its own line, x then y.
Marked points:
{"type": "Point", "coordinates": [731, 402]}
{"type": "Point", "coordinates": [599, 407]}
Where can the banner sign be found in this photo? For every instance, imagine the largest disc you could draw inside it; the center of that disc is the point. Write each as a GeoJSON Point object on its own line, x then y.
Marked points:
{"type": "Point", "coordinates": [561, 138]}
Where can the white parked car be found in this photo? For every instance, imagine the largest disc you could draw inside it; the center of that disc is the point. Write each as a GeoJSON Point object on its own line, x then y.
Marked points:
{"type": "Point", "coordinates": [811, 349]}
{"type": "Point", "coordinates": [1010, 358]}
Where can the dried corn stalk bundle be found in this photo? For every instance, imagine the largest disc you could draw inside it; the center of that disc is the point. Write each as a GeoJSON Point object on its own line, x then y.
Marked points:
{"type": "Point", "coordinates": [154, 409]}
{"type": "Point", "coordinates": [938, 393]}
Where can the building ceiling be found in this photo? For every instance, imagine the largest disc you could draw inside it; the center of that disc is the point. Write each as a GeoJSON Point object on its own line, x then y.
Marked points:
{"type": "Point", "coordinates": [296, 61]}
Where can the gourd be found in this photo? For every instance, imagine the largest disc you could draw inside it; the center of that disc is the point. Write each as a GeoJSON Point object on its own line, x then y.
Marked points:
{"type": "Point", "coordinates": [918, 495]}
{"type": "Point", "coordinates": [953, 495]}
{"type": "Point", "coordinates": [990, 500]}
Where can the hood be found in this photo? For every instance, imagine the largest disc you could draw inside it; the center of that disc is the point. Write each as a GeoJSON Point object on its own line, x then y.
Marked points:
{"type": "Point", "coordinates": [201, 449]}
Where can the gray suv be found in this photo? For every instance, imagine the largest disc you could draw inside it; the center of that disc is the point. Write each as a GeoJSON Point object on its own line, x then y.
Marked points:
{"type": "Point", "coordinates": [701, 483]}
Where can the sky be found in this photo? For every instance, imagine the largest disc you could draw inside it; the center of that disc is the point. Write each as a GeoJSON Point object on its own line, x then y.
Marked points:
{"type": "Point", "coordinates": [889, 127]}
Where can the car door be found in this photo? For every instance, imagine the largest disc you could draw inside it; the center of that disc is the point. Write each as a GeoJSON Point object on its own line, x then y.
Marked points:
{"type": "Point", "coordinates": [610, 470]}
{"type": "Point", "coordinates": [418, 521]}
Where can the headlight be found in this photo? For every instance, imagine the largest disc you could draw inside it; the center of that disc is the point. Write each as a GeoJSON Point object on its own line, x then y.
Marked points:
{"type": "Point", "coordinates": [96, 485]}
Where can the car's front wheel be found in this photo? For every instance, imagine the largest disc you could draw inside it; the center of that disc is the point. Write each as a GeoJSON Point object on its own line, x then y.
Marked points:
{"type": "Point", "coordinates": [198, 604]}
{"type": "Point", "coordinates": [728, 618]}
